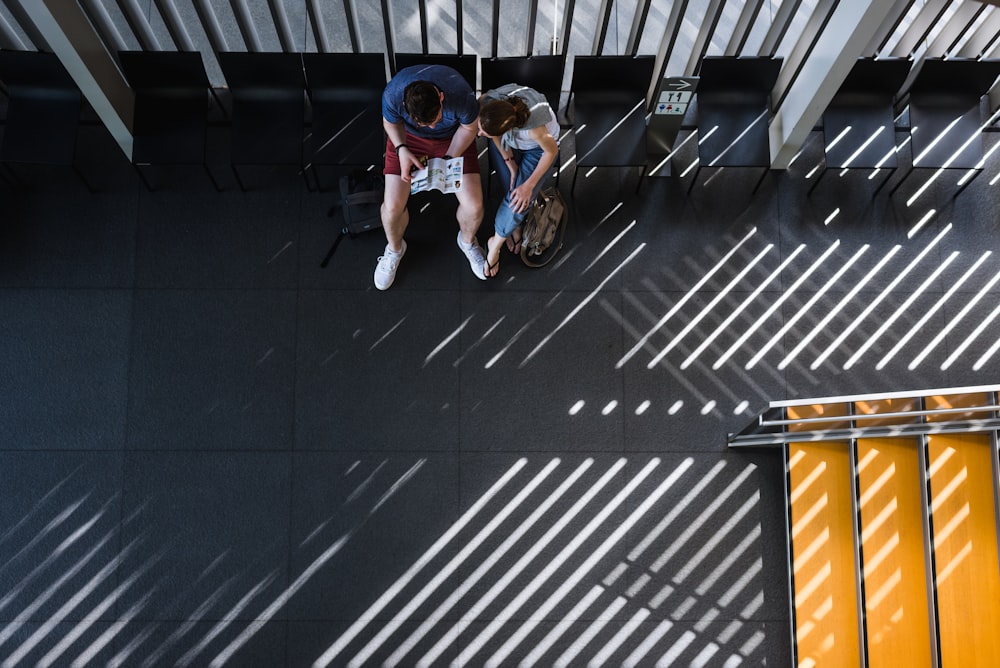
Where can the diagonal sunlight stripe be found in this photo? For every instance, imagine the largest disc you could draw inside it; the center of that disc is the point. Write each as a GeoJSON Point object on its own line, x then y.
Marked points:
{"type": "Point", "coordinates": [500, 586]}
{"type": "Point", "coordinates": [954, 156]}
{"type": "Point", "coordinates": [386, 335]}
{"type": "Point", "coordinates": [28, 613]}
{"type": "Point", "coordinates": [568, 619]}
{"type": "Point", "coordinates": [676, 307]}
{"type": "Point", "coordinates": [675, 511]}
{"type": "Point", "coordinates": [456, 595]}
{"type": "Point", "coordinates": [375, 608]}
{"type": "Point", "coordinates": [78, 533]}
{"type": "Point", "coordinates": [263, 618]}
{"type": "Point", "coordinates": [61, 517]}
{"type": "Point", "coordinates": [781, 300]}
{"type": "Point", "coordinates": [446, 341]}
{"type": "Point", "coordinates": [933, 276]}
{"type": "Point", "coordinates": [584, 639]}
{"type": "Point", "coordinates": [640, 652]}
{"type": "Point", "coordinates": [832, 313]}
{"type": "Point", "coordinates": [601, 658]}
{"type": "Point", "coordinates": [550, 568]}
{"type": "Point", "coordinates": [980, 328]}
{"type": "Point", "coordinates": [610, 132]}
{"type": "Point", "coordinates": [702, 518]}
{"type": "Point", "coordinates": [95, 614]}
{"type": "Point", "coordinates": [574, 579]}
{"type": "Point", "coordinates": [729, 560]}
{"type": "Point", "coordinates": [110, 634]}
{"type": "Point", "coordinates": [779, 335]}
{"type": "Point", "coordinates": [739, 309]}
{"type": "Point", "coordinates": [444, 573]}
{"type": "Point", "coordinates": [911, 332]}
{"type": "Point", "coordinates": [738, 138]}
{"type": "Point", "coordinates": [53, 524]}
{"type": "Point", "coordinates": [701, 556]}
{"type": "Point", "coordinates": [517, 335]}
{"type": "Point", "coordinates": [66, 608]}
{"type": "Point", "coordinates": [986, 356]}
{"type": "Point", "coordinates": [579, 307]}
{"type": "Point", "coordinates": [227, 618]}
{"type": "Point", "coordinates": [873, 304]}
{"type": "Point", "coordinates": [611, 244]}
{"type": "Point", "coordinates": [478, 342]}
{"type": "Point", "coordinates": [953, 323]}
{"type": "Point", "coordinates": [708, 308]}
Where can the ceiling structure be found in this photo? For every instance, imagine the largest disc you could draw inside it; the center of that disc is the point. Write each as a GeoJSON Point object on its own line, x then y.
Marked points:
{"type": "Point", "coordinates": [818, 40]}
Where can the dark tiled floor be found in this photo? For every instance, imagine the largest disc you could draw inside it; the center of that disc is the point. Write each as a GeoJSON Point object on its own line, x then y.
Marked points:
{"type": "Point", "coordinates": [214, 451]}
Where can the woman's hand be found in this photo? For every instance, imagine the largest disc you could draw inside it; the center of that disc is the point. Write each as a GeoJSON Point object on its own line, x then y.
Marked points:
{"type": "Point", "coordinates": [520, 197]}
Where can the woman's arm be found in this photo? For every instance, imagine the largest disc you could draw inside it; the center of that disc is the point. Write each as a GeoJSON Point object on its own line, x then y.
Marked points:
{"type": "Point", "coordinates": [521, 196]}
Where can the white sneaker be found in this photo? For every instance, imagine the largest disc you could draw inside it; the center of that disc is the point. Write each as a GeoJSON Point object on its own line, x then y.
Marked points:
{"type": "Point", "coordinates": [385, 271]}
{"type": "Point", "coordinates": [475, 256]}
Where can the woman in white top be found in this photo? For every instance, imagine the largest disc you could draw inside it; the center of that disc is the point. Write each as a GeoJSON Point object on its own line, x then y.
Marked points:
{"type": "Point", "coordinates": [523, 129]}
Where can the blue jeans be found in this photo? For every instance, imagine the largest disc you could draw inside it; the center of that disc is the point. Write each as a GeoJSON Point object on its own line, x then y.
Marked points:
{"type": "Point", "coordinates": [507, 220]}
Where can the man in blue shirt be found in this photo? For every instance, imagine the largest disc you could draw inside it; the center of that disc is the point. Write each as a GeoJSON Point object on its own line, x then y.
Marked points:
{"type": "Point", "coordinates": [428, 110]}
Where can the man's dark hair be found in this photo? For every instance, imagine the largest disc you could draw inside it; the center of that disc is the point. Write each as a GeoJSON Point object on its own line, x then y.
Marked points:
{"type": "Point", "coordinates": [422, 101]}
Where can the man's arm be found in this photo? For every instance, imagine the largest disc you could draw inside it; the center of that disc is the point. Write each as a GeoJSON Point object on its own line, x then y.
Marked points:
{"type": "Point", "coordinates": [463, 138]}
{"type": "Point", "coordinates": [407, 158]}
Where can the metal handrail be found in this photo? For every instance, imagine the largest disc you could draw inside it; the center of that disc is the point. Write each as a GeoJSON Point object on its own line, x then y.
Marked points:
{"type": "Point", "coordinates": [887, 431]}
{"type": "Point", "coordinates": [878, 416]}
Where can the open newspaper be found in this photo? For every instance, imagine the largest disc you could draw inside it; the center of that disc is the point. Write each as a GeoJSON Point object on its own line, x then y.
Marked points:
{"type": "Point", "coordinates": [439, 174]}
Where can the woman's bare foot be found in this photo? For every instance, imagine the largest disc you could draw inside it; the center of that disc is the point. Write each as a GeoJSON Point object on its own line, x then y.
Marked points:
{"type": "Point", "coordinates": [514, 241]}
{"type": "Point", "coordinates": [492, 266]}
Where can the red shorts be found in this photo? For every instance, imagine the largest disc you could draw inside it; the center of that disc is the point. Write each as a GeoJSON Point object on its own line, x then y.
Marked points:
{"type": "Point", "coordinates": [432, 148]}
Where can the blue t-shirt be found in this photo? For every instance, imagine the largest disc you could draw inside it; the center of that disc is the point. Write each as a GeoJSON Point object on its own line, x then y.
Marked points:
{"type": "Point", "coordinates": [460, 105]}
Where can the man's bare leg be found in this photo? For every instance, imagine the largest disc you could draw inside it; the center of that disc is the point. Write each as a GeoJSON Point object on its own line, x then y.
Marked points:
{"type": "Point", "coordinates": [470, 207]}
{"type": "Point", "coordinates": [395, 216]}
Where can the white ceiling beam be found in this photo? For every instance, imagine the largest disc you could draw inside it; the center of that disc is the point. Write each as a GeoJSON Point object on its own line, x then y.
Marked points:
{"type": "Point", "coordinates": [849, 30]}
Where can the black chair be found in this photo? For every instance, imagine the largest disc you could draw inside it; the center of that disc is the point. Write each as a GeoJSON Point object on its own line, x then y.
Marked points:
{"type": "Point", "coordinates": [345, 90]}
{"type": "Point", "coordinates": [733, 110]}
{"type": "Point", "coordinates": [609, 111]}
{"type": "Point", "coordinates": [171, 109]}
{"type": "Point", "coordinates": [43, 112]}
{"type": "Point", "coordinates": [465, 65]}
{"type": "Point", "coordinates": [543, 73]}
{"type": "Point", "coordinates": [945, 119]}
{"type": "Point", "coordinates": [268, 112]}
{"type": "Point", "coordinates": [859, 124]}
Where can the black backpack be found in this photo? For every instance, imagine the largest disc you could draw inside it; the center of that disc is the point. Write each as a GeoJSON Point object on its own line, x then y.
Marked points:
{"type": "Point", "coordinates": [361, 194]}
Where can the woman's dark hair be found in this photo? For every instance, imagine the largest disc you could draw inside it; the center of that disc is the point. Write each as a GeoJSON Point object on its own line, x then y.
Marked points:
{"type": "Point", "coordinates": [498, 116]}
{"type": "Point", "coordinates": [422, 101]}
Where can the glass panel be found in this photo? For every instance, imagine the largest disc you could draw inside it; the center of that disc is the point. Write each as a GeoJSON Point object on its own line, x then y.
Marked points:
{"type": "Point", "coordinates": [619, 28]}
{"type": "Point", "coordinates": [654, 29]}
{"type": "Point", "coordinates": [121, 24]}
{"type": "Point", "coordinates": [761, 24]}
{"type": "Point", "coordinates": [298, 21]}
{"type": "Point", "coordinates": [333, 18]}
{"type": "Point", "coordinates": [548, 24]}
{"type": "Point", "coordinates": [227, 23]}
{"type": "Point", "coordinates": [797, 27]}
{"type": "Point", "coordinates": [678, 59]}
{"type": "Point", "coordinates": [477, 20]}
{"type": "Point", "coordinates": [371, 32]}
{"type": "Point", "coordinates": [901, 29]}
{"type": "Point", "coordinates": [724, 29]}
{"type": "Point", "coordinates": [513, 27]}
{"type": "Point", "coordinates": [406, 26]}
{"type": "Point", "coordinates": [442, 26]}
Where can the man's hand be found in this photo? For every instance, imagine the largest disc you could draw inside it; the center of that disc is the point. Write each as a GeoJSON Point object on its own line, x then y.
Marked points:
{"type": "Point", "coordinates": [408, 163]}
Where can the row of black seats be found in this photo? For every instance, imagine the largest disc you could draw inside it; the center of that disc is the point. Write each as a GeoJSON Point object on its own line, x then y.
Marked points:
{"type": "Point", "coordinates": [266, 106]}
